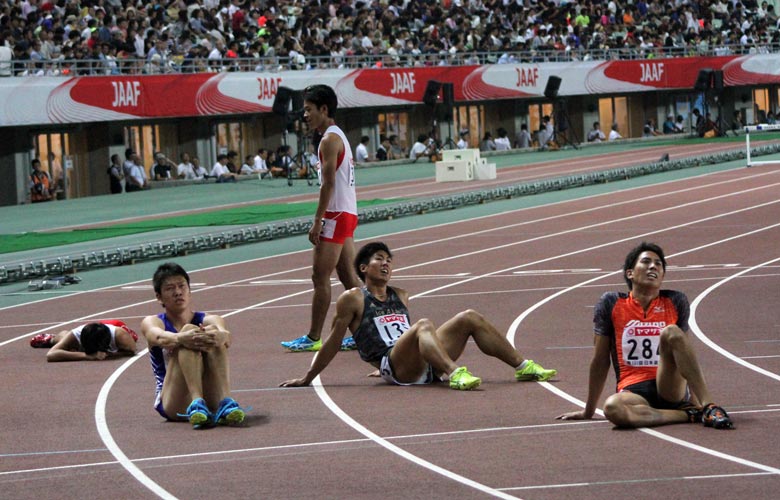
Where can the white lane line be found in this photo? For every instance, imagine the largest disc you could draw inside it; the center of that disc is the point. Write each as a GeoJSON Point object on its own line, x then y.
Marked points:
{"type": "Point", "coordinates": [515, 325]}
{"type": "Point", "coordinates": [325, 397]}
{"type": "Point", "coordinates": [102, 423]}
{"type": "Point", "coordinates": [318, 444]}
{"type": "Point", "coordinates": [717, 348]}
{"type": "Point", "coordinates": [635, 481]}
{"type": "Point", "coordinates": [333, 407]}
{"type": "Point", "coordinates": [105, 433]}
{"type": "Point", "coordinates": [302, 268]}
{"type": "Point", "coordinates": [761, 357]}
{"type": "Point", "coordinates": [460, 235]}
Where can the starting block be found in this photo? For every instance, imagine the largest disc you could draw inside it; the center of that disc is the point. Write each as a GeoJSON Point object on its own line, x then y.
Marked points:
{"type": "Point", "coordinates": [448, 171]}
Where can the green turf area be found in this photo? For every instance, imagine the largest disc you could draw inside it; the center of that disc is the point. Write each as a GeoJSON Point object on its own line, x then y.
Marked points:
{"type": "Point", "coordinates": [257, 214]}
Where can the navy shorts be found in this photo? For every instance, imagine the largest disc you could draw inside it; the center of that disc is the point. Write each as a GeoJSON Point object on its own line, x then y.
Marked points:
{"type": "Point", "coordinates": [649, 390]}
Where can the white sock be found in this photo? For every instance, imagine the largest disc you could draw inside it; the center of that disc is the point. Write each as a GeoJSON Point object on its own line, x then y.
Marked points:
{"type": "Point", "coordinates": [522, 365]}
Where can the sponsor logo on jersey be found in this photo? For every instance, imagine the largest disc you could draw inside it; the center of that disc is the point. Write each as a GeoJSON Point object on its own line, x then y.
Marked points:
{"type": "Point", "coordinates": [391, 318]}
{"type": "Point", "coordinates": [638, 328]}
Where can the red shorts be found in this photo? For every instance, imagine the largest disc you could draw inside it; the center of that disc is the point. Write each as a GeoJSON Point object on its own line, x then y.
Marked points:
{"type": "Point", "coordinates": [338, 226]}
{"type": "Point", "coordinates": [120, 324]}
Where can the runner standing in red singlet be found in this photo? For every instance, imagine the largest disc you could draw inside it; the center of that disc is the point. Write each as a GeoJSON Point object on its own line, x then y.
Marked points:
{"type": "Point", "coordinates": [336, 217]}
{"type": "Point", "coordinates": [644, 335]}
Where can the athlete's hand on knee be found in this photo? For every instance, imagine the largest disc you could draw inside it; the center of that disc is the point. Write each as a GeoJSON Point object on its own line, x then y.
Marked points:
{"type": "Point", "coordinates": [197, 339]}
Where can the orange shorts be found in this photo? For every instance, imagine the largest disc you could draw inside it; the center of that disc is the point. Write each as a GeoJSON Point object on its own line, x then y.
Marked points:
{"type": "Point", "coordinates": [338, 226]}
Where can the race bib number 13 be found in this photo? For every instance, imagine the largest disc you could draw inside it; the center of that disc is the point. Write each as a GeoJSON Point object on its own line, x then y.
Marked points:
{"type": "Point", "coordinates": [391, 326]}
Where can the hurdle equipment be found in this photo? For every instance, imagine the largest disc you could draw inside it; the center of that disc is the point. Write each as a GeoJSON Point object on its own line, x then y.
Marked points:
{"type": "Point", "coordinates": [762, 127]}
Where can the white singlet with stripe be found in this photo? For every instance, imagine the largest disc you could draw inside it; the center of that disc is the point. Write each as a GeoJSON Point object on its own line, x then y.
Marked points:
{"type": "Point", "coordinates": [112, 348]}
{"type": "Point", "coordinates": [344, 198]}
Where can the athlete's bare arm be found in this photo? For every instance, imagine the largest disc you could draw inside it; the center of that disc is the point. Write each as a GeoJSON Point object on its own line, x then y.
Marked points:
{"type": "Point", "coordinates": [190, 336]}
{"type": "Point", "coordinates": [67, 349]}
{"type": "Point", "coordinates": [331, 147]}
{"type": "Point", "coordinates": [599, 368]}
{"type": "Point", "coordinates": [349, 310]}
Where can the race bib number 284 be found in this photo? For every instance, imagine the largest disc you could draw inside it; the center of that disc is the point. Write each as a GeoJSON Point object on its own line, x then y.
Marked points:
{"type": "Point", "coordinates": [641, 345]}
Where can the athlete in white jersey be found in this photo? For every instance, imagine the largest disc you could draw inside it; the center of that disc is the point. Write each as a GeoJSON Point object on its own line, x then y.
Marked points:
{"type": "Point", "coordinates": [335, 220]}
{"type": "Point", "coordinates": [343, 198]}
{"type": "Point", "coordinates": [89, 342]}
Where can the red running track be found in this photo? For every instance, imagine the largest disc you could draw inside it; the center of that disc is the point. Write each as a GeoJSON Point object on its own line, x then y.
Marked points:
{"type": "Point", "coordinates": [88, 429]}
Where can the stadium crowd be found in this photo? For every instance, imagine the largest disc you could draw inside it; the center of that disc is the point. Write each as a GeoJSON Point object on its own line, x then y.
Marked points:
{"type": "Point", "coordinates": [52, 37]}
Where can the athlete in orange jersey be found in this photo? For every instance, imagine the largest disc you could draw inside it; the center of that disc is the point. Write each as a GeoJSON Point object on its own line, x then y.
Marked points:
{"type": "Point", "coordinates": [643, 334]}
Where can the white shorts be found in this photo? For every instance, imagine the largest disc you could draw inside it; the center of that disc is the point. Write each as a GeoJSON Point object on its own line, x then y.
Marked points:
{"type": "Point", "coordinates": [386, 370]}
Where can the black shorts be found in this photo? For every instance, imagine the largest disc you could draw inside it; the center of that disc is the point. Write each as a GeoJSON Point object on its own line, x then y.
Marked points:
{"type": "Point", "coordinates": [649, 390]}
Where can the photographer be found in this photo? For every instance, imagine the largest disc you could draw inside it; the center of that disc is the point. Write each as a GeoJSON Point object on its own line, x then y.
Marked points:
{"type": "Point", "coordinates": [424, 147]}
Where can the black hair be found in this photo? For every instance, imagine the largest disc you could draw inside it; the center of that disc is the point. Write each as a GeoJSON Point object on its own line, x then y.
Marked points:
{"type": "Point", "coordinates": [634, 254]}
{"type": "Point", "coordinates": [322, 95]}
{"type": "Point", "coordinates": [364, 139]}
{"type": "Point", "coordinates": [165, 271]}
{"type": "Point", "coordinates": [364, 256]}
{"type": "Point", "coordinates": [95, 337]}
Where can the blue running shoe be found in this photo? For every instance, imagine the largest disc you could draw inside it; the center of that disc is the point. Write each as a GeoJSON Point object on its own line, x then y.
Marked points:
{"type": "Point", "coordinates": [198, 413]}
{"type": "Point", "coordinates": [348, 344]}
{"type": "Point", "coordinates": [230, 413]}
{"type": "Point", "coordinates": [302, 344]}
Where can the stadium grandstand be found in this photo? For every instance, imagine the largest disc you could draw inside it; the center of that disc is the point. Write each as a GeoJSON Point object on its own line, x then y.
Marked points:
{"type": "Point", "coordinates": [123, 37]}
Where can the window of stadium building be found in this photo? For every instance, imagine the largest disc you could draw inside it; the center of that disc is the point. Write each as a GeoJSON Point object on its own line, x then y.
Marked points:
{"type": "Point", "coordinates": [535, 114]}
{"type": "Point", "coordinates": [230, 138]}
{"type": "Point", "coordinates": [471, 118]}
{"type": "Point", "coordinates": [144, 140]}
{"type": "Point", "coordinates": [52, 150]}
{"type": "Point", "coordinates": [762, 105]}
{"type": "Point", "coordinates": [614, 110]}
{"type": "Point", "coordinates": [394, 124]}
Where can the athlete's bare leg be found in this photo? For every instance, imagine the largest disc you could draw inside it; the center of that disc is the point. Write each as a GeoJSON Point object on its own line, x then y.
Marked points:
{"type": "Point", "coordinates": [194, 374]}
{"type": "Point", "coordinates": [455, 333]}
{"type": "Point", "coordinates": [326, 257]}
{"type": "Point", "coordinates": [626, 409]}
{"type": "Point", "coordinates": [677, 366]}
{"type": "Point", "coordinates": [345, 268]}
{"type": "Point", "coordinates": [415, 349]}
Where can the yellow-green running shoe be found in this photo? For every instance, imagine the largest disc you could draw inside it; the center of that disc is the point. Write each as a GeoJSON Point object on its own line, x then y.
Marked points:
{"type": "Point", "coordinates": [462, 380]}
{"type": "Point", "coordinates": [534, 371]}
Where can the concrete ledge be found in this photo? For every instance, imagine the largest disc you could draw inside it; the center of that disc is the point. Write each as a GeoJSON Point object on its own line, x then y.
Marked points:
{"type": "Point", "coordinates": [184, 182]}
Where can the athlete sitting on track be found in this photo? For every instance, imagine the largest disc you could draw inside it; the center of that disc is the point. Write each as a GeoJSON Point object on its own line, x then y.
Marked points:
{"type": "Point", "coordinates": [378, 318]}
{"type": "Point", "coordinates": [90, 342]}
{"type": "Point", "coordinates": [188, 351]}
{"type": "Point", "coordinates": [645, 333]}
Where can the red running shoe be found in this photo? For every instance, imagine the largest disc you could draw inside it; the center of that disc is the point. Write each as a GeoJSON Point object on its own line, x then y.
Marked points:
{"type": "Point", "coordinates": [42, 340]}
